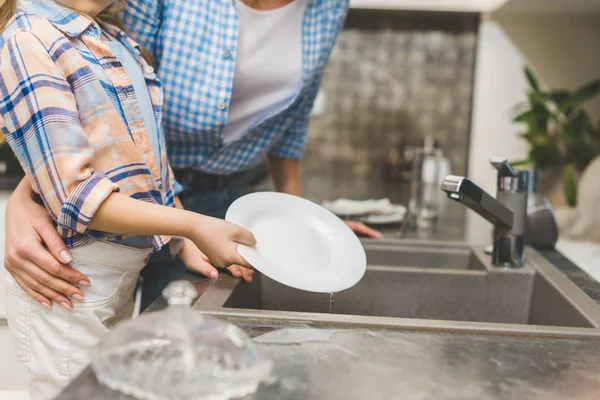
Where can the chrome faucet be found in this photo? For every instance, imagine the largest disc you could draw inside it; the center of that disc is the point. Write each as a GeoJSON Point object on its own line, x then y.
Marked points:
{"type": "Point", "coordinates": [508, 211]}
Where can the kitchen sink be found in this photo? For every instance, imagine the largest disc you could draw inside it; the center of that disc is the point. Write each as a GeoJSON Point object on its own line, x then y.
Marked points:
{"type": "Point", "coordinates": [417, 285]}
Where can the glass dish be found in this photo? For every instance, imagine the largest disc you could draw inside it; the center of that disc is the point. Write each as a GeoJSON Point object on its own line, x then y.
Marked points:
{"type": "Point", "coordinates": [179, 354]}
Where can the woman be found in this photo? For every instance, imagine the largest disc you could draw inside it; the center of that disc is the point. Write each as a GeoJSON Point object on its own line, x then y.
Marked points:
{"type": "Point", "coordinates": [240, 79]}
{"type": "Point", "coordinates": [81, 109]}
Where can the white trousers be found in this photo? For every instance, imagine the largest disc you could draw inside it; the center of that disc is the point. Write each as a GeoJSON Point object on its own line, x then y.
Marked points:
{"type": "Point", "coordinates": [55, 344]}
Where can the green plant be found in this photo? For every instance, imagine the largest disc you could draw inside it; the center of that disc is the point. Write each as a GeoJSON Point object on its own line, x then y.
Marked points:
{"type": "Point", "coordinates": [559, 131]}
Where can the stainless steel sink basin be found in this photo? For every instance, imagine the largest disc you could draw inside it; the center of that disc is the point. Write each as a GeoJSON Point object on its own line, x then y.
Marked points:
{"type": "Point", "coordinates": [415, 285]}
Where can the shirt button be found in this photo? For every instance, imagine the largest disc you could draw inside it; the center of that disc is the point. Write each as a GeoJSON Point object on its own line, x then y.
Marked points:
{"type": "Point", "coordinates": [149, 69]}
{"type": "Point", "coordinates": [221, 105]}
{"type": "Point", "coordinates": [226, 53]}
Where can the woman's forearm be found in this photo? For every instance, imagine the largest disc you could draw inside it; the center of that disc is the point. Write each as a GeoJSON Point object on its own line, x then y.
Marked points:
{"type": "Point", "coordinates": [286, 175]}
{"type": "Point", "coordinates": [126, 216]}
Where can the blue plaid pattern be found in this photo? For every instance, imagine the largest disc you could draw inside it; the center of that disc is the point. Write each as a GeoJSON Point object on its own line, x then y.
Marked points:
{"type": "Point", "coordinates": [70, 114]}
{"type": "Point", "coordinates": [194, 43]}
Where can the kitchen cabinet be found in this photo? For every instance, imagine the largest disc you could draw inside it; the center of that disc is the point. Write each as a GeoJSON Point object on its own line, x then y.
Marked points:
{"type": "Point", "coordinates": [431, 5]}
{"type": "Point", "coordinates": [552, 6]}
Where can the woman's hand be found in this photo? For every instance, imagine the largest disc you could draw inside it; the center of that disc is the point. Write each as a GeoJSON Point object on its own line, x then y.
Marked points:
{"type": "Point", "coordinates": [196, 261]}
{"type": "Point", "coordinates": [286, 176]}
{"type": "Point", "coordinates": [361, 229]}
{"type": "Point", "coordinates": [218, 239]}
{"type": "Point", "coordinates": [42, 273]}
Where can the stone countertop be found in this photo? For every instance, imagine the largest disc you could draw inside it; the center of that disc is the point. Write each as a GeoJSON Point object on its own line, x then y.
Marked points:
{"type": "Point", "coordinates": [358, 364]}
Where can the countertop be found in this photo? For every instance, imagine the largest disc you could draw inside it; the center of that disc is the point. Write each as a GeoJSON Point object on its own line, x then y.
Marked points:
{"type": "Point", "coordinates": [360, 364]}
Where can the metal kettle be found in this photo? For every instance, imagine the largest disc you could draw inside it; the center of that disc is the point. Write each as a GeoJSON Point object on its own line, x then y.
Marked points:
{"type": "Point", "coordinates": [541, 229]}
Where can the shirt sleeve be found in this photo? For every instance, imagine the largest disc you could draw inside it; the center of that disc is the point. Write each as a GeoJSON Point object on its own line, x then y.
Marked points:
{"type": "Point", "coordinates": [293, 142]}
{"type": "Point", "coordinates": [143, 19]}
{"type": "Point", "coordinates": [39, 118]}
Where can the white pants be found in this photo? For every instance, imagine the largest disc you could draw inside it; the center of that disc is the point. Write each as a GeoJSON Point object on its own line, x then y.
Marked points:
{"type": "Point", "coordinates": [54, 344]}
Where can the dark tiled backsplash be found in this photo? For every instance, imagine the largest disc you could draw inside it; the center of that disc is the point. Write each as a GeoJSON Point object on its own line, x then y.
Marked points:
{"type": "Point", "coordinates": [393, 78]}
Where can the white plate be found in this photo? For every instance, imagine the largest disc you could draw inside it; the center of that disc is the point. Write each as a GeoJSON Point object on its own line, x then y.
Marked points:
{"type": "Point", "coordinates": [299, 243]}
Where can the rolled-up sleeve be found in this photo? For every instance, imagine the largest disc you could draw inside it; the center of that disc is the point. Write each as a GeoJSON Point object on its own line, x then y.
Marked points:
{"type": "Point", "coordinates": [40, 120]}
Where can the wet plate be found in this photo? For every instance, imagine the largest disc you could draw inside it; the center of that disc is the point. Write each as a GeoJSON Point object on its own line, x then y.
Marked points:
{"type": "Point", "coordinates": [299, 243]}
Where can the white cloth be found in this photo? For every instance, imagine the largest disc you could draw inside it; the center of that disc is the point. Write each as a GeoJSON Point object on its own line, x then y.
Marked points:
{"type": "Point", "coordinates": [346, 207]}
{"type": "Point", "coordinates": [268, 66]}
{"type": "Point", "coordinates": [54, 344]}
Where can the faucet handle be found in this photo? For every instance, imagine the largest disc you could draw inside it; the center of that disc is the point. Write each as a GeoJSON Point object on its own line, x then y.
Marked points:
{"type": "Point", "coordinates": [509, 179]}
{"type": "Point", "coordinates": [505, 170]}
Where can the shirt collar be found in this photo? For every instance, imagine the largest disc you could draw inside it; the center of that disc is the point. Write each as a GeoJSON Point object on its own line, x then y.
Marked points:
{"type": "Point", "coordinates": [122, 37]}
{"type": "Point", "coordinates": [70, 22]}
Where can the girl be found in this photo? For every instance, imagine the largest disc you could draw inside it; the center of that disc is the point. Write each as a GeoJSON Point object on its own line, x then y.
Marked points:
{"type": "Point", "coordinates": [81, 109]}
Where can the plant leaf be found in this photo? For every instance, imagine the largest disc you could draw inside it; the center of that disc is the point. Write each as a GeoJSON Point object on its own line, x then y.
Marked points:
{"type": "Point", "coordinates": [561, 98]}
{"type": "Point", "coordinates": [585, 93]}
{"type": "Point", "coordinates": [536, 117]}
{"type": "Point", "coordinates": [527, 116]}
{"type": "Point", "coordinates": [545, 155]}
{"type": "Point", "coordinates": [533, 82]}
{"type": "Point", "coordinates": [570, 185]}
{"type": "Point", "coordinates": [521, 163]}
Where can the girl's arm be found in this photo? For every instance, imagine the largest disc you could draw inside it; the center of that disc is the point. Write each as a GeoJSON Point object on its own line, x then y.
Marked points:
{"type": "Point", "coordinates": [218, 239]}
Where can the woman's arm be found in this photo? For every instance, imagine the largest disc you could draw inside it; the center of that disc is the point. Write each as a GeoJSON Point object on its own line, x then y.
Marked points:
{"type": "Point", "coordinates": [286, 175]}
{"type": "Point", "coordinates": [284, 157]}
{"type": "Point", "coordinates": [42, 272]}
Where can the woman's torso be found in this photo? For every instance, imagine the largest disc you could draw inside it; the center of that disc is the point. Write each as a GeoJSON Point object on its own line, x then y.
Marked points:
{"type": "Point", "coordinates": [196, 46]}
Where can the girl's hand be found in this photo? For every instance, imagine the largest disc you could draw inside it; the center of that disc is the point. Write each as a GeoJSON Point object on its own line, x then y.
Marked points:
{"type": "Point", "coordinates": [218, 239]}
{"type": "Point", "coordinates": [196, 261]}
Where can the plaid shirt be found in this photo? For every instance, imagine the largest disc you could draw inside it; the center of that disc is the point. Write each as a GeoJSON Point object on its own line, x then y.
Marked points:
{"type": "Point", "coordinates": [69, 112]}
{"type": "Point", "coordinates": [194, 43]}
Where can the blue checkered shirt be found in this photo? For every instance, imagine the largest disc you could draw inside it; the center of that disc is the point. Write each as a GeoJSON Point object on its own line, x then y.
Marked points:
{"type": "Point", "coordinates": [194, 44]}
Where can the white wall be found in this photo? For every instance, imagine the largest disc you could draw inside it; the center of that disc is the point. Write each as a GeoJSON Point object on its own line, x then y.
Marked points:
{"type": "Point", "coordinates": [499, 85]}
{"type": "Point", "coordinates": [564, 51]}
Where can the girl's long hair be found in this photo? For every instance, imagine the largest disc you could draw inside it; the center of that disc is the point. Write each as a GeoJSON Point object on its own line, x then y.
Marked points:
{"type": "Point", "coordinates": [7, 10]}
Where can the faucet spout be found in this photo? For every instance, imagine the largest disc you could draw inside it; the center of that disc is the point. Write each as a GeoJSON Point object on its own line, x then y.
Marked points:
{"type": "Point", "coordinates": [507, 212]}
{"type": "Point", "coordinates": [463, 190]}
